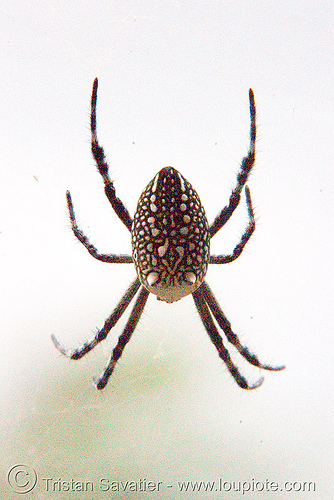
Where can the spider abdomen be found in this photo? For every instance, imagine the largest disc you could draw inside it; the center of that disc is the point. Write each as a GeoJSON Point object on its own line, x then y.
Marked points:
{"type": "Point", "coordinates": [170, 237]}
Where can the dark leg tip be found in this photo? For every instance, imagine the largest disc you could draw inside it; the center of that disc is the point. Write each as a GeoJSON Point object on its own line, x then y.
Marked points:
{"type": "Point", "coordinates": [99, 383]}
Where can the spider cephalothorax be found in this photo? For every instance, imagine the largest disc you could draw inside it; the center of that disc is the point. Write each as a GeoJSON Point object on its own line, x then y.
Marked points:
{"type": "Point", "coordinates": [171, 252]}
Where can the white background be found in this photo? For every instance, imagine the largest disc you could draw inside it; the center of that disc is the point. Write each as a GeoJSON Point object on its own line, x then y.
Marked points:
{"type": "Point", "coordinates": [173, 90]}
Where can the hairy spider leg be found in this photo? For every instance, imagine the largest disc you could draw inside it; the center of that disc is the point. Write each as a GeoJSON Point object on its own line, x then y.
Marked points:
{"type": "Point", "coordinates": [217, 340]}
{"type": "Point", "coordinates": [224, 259]}
{"type": "Point", "coordinates": [108, 325]}
{"type": "Point", "coordinates": [113, 258]}
{"type": "Point", "coordinates": [102, 165]}
{"type": "Point", "coordinates": [225, 325]}
{"type": "Point", "coordinates": [245, 168]}
{"type": "Point", "coordinates": [124, 338]}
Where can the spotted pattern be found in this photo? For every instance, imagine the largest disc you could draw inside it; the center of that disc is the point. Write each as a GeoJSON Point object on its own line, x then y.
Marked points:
{"type": "Point", "coordinates": [170, 237]}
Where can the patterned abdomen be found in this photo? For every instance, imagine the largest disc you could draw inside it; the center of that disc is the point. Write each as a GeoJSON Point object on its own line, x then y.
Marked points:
{"type": "Point", "coordinates": [170, 237]}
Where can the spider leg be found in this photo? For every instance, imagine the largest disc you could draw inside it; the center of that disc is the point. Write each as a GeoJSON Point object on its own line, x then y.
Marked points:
{"type": "Point", "coordinates": [120, 259]}
{"type": "Point", "coordinates": [124, 338]}
{"type": "Point", "coordinates": [205, 315]}
{"type": "Point", "coordinates": [100, 159]}
{"type": "Point", "coordinates": [246, 166]}
{"type": "Point", "coordinates": [225, 325]}
{"type": "Point", "coordinates": [108, 325]}
{"type": "Point", "coordinates": [224, 259]}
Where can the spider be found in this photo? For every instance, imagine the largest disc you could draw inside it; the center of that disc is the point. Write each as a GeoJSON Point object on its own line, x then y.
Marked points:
{"type": "Point", "coordinates": [171, 252]}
